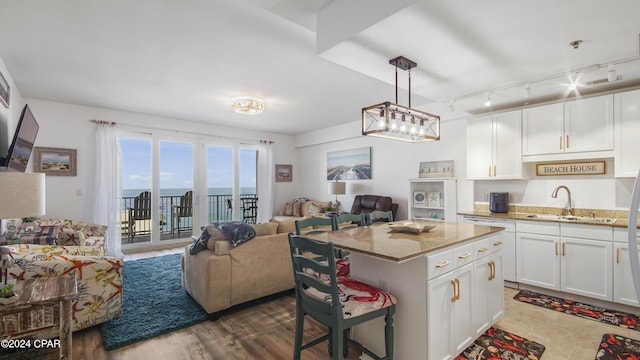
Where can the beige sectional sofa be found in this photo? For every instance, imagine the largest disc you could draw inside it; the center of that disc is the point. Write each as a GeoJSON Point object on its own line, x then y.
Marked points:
{"type": "Point", "coordinates": [222, 276]}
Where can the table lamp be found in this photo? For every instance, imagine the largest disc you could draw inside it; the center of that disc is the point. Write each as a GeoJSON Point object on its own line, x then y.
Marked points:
{"type": "Point", "coordinates": [337, 188]}
{"type": "Point", "coordinates": [21, 195]}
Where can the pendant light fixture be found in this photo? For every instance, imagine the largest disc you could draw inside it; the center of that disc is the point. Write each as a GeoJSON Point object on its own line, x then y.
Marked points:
{"type": "Point", "coordinates": [392, 121]}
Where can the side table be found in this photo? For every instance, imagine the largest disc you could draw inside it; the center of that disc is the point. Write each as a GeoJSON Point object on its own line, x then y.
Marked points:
{"type": "Point", "coordinates": [43, 305]}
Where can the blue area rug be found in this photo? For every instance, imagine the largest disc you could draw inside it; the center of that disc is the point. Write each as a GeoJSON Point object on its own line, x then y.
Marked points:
{"type": "Point", "coordinates": [154, 303]}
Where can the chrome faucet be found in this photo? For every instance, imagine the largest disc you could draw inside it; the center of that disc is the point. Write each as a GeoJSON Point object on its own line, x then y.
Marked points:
{"type": "Point", "coordinates": [568, 210]}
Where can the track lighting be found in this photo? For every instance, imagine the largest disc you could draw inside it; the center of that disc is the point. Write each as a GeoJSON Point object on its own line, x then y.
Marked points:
{"type": "Point", "coordinates": [487, 103]}
{"type": "Point", "coordinates": [611, 73]}
{"type": "Point", "coordinates": [527, 90]}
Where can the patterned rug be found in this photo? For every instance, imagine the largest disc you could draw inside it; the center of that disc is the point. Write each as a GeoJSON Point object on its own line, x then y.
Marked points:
{"type": "Point", "coordinates": [154, 302]}
{"type": "Point", "coordinates": [500, 344]}
{"type": "Point", "coordinates": [616, 347]}
{"type": "Point", "coordinates": [622, 319]}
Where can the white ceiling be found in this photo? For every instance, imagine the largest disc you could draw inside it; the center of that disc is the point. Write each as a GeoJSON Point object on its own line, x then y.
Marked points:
{"type": "Point", "coordinates": [315, 62]}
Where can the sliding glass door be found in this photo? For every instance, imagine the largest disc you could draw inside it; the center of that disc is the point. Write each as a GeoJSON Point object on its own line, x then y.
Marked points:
{"type": "Point", "coordinates": [173, 185]}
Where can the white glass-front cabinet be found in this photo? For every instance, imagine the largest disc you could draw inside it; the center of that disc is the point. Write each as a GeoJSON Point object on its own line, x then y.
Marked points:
{"type": "Point", "coordinates": [627, 125]}
{"type": "Point", "coordinates": [494, 146]}
{"type": "Point", "coordinates": [584, 125]}
{"type": "Point", "coordinates": [433, 199]}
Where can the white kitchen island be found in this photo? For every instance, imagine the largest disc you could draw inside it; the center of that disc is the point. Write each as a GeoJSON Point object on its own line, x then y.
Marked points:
{"type": "Point", "coordinates": [448, 282]}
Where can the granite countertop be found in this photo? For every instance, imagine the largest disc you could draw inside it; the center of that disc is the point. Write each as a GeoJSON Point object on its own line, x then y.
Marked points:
{"type": "Point", "coordinates": [379, 241]}
{"type": "Point", "coordinates": [525, 213]}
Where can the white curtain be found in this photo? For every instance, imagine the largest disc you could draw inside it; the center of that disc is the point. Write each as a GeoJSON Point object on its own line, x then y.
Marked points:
{"type": "Point", "coordinates": [266, 183]}
{"type": "Point", "coordinates": [106, 206]}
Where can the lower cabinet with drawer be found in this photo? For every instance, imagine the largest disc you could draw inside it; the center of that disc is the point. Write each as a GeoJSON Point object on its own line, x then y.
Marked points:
{"type": "Point", "coordinates": [464, 295]}
{"type": "Point", "coordinates": [572, 258]}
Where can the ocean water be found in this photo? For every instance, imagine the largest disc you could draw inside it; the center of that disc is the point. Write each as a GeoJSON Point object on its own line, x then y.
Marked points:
{"type": "Point", "coordinates": [179, 192]}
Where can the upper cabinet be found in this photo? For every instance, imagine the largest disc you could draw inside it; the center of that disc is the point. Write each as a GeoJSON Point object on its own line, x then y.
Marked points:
{"type": "Point", "coordinates": [494, 146]}
{"type": "Point", "coordinates": [575, 129]}
{"type": "Point", "coordinates": [627, 120]}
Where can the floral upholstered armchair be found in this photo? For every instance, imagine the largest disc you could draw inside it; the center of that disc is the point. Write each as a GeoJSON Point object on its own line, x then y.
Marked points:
{"type": "Point", "coordinates": [79, 249]}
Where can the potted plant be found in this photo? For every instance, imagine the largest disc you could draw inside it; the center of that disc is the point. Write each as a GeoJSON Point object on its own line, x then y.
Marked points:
{"type": "Point", "coordinates": [8, 294]}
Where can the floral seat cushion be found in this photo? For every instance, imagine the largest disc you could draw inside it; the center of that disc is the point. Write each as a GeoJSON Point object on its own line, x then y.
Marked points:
{"type": "Point", "coordinates": [357, 298]}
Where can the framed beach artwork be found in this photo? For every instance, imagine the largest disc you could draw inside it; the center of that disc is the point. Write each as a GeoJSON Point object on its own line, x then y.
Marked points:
{"type": "Point", "coordinates": [284, 173]}
{"type": "Point", "coordinates": [354, 164]}
{"type": "Point", "coordinates": [437, 169]}
{"type": "Point", "coordinates": [5, 91]}
{"type": "Point", "coordinates": [55, 161]}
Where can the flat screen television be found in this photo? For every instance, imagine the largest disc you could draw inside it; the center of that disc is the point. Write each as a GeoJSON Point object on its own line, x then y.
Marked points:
{"type": "Point", "coordinates": [22, 144]}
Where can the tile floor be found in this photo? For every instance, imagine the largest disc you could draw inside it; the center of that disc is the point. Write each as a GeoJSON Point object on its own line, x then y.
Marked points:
{"type": "Point", "coordinates": [566, 337]}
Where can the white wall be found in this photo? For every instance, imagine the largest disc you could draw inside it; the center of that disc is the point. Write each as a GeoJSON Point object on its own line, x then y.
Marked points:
{"type": "Point", "coordinates": [393, 163]}
{"type": "Point", "coordinates": [68, 126]}
{"type": "Point", "coordinates": [9, 116]}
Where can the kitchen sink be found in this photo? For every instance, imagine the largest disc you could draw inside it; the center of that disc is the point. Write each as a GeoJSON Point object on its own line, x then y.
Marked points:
{"type": "Point", "coordinates": [571, 218]}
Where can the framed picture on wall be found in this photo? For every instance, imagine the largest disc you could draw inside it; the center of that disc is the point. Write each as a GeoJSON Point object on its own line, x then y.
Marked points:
{"type": "Point", "coordinates": [284, 173]}
{"type": "Point", "coordinates": [55, 161]}
{"type": "Point", "coordinates": [353, 164]}
{"type": "Point", "coordinates": [5, 91]}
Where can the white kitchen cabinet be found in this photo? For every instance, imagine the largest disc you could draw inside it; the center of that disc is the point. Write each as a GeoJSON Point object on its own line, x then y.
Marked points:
{"type": "Point", "coordinates": [573, 127]}
{"type": "Point", "coordinates": [623, 288]}
{"type": "Point", "coordinates": [488, 294]}
{"type": "Point", "coordinates": [586, 268]}
{"type": "Point", "coordinates": [450, 305]}
{"type": "Point", "coordinates": [494, 146]}
{"type": "Point", "coordinates": [542, 129]}
{"type": "Point", "coordinates": [538, 260]}
{"type": "Point", "coordinates": [573, 258]}
{"type": "Point", "coordinates": [627, 128]}
{"type": "Point", "coordinates": [508, 240]}
{"type": "Point", "coordinates": [433, 199]}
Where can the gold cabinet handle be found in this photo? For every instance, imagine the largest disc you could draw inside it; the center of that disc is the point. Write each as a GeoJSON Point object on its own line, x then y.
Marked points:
{"type": "Point", "coordinates": [561, 142]}
{"type": "Point", "coordinates": [563, 244]}
{"type": "Point", "coordinates": [555, 244]}
{"type": "Point", "coordinates": [464, 256]}
{"type": "Point", "coordinates": [443, 264]}
{"type": "Point", "coordinates": [481, 250]}
{"type": "Point", "coordinates": [618, 256]}
{"type": "Point", "coordinates": [490, 270]}
{"type": "Point", "coordinates": [494, 170]}
{"type": "Point", "coordinates": [497, 243]}
{"type": "Point", "coordinates": [453, 290]}
{"type": "Point", "coordinates": [489, 170]}
{"type": "Point", "coordinates": [457, 289]}
{"type": "Point", "coordinates": [566, 143]}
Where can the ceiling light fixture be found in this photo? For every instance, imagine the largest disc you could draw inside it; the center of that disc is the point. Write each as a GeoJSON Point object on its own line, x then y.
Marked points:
{"type": "Point", "coordinates": [248, 105]}
{"type": "Point", "coordinates": [415, 126]}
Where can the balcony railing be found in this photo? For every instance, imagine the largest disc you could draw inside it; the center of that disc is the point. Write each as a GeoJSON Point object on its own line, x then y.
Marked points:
{"type": "Point", "coordinates": [218, 208]}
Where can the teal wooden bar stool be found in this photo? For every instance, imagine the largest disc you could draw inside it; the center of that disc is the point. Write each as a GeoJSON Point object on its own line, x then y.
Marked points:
{"type": "Point", "coordinates": [347, 221]}
{"type": "Point", "coordinates": [376, 217]}
{"type": "Point", "coordinates": [316, 225]}
{"type": "Point", "coordinates": [339, 303]}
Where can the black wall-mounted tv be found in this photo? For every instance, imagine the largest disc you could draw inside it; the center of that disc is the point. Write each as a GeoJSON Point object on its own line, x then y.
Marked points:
{"type": "Point", "coordinates": [22, 144]}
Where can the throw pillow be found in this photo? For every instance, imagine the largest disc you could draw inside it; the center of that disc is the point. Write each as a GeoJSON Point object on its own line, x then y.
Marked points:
{"type": "Point", "coordinates": [288, 210]}
{"type": "Point", "coordinates": [236, 232]}
{"type": "Point", "coordinates": [265, 229]}
{"type": "Point", "coordinates": [315, 209]}
{"type": "Point", "coordinates": [297, 209]}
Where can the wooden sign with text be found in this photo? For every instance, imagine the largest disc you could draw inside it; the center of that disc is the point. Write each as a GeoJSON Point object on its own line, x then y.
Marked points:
{"type": "Point", "coordinates": [571, 168]}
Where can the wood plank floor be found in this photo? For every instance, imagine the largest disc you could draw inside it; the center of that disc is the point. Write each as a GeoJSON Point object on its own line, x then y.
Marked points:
{"type": "Point", "coordinates": [263, 331]}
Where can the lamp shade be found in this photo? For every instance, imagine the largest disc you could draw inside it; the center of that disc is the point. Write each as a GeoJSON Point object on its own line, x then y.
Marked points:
{"type": "Point", "coordinates": [21, 195]}
{"type": "Point", "coordinates": [337, 188]}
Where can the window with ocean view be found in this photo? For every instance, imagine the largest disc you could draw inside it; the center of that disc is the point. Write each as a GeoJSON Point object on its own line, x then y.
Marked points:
{"type": "Point", "coordinates": [179, 209]}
